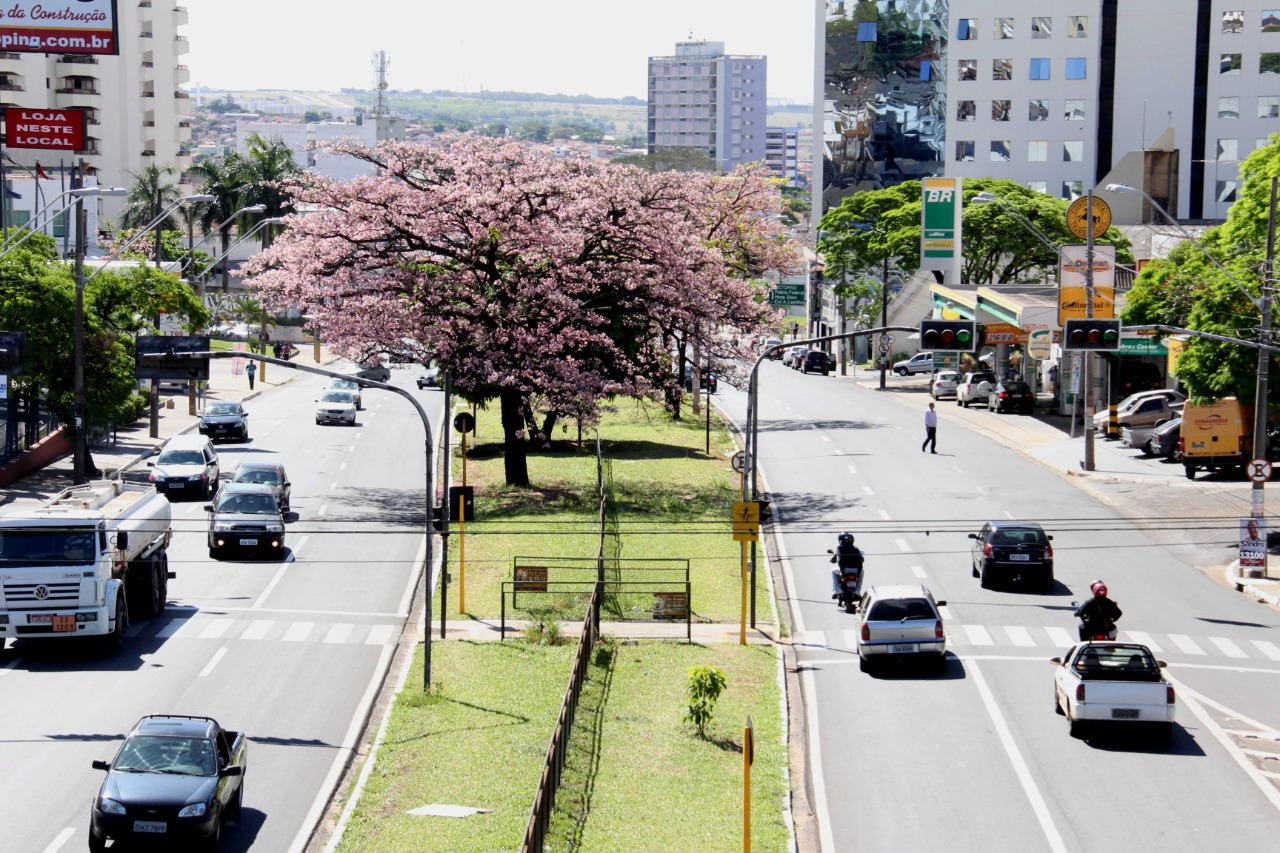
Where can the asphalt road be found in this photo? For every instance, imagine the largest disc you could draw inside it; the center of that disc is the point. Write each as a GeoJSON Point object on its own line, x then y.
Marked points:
{"type": "Point", "coordinates": [976, 759]}
{"type": "Point", "coordinates": [291, 651]}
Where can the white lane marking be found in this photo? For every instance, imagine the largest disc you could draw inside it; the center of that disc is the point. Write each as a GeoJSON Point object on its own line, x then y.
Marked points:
{"type": "Point", "coordinates": [945, 613]}
{"type": "Point", "coordinates": [257, 629]}
{"type": "Point", "coordinates": [957, 467]}
{"type": "Point", "coordinates": [1143, 638]}
{"type": "Point", "coordinates": [884, 515]}
{"type": "Point", "coordinates": [1019, 636]}
{"type": "Point", "coordinates": [333, 485]}
{"type": "Point", "coordinates": [1015, 757]}
{"type": "Point", "coordinates": [918, 571]}
{"type": "Point", "coordinates": [868, 490]}
{"type": "Point", "coordinates": [1228, 648]}
{"type": "Point", "coordinates": [981, 490]}
{"type": "Point", "coordinates": [1185, 644]}
{"type": "Point", "coordinates": [814, 639]}
{"type": "Point", "coordinates": [1192, 700]}
{"type": "Point", "coordinates": [1008, 514]}
{"type": "Point", "coordinates": [217, 656]}
{"type": "Point", "coordinates": [338, 633]}
{"type": "Point", "coordinates": [342, 467]}
{"type": "Point", "coordinates": [826, 439]}
{"type": "Point", "coordinates": [903, 546]}
{"type": "Point", "coordinates": [298, 632]}
{"type": "Point", "coordinates": [851, 639]}
{"type": "Point", "coordinates": [978, 635]}
{"type": "Point", "coordinates": [838, 453]}
{"type": "Point", "coordinates": [357, 438]}
{"type": "Point", "coordinates": [323, 509]}
{"type": "Point", "coordinates": [172, 627]}
{"type": "Point", "coordinates": [293, 551]}
{"type": "Point", "coordinates": [1060, 637]}
{"type": "Point", "coordinates": [1267, 648]}
{"type": "Point", "coordinates": [303, 612]}
{"type": "Point", "coordinates": [61, 839]}
{"type": "Point", "coordinates": [9, 667]}
{"type": "Point", "coordinates": [827, 841]}
{"type": "Point", "coordinates": [215, 629]}
{"type": "Point", "coordinates": [271, 584]}
{"type": "Point", "coordinates": [343, 755]}
{"type": "Point", "coordinates": [853, 470]}
{"type": "Point", "coordinates": [379, 635]}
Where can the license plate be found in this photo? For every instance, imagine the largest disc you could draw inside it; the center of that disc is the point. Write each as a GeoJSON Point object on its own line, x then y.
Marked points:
{"type": "Point", "coordinates": [150, 826]}
{"type": "Point", "coordinates": [1021, 558]}
{"type": "Point", "coordinates": [1124, 713]}
{"type": "Point", "coordinates": [177, 485]}
{"type": "Point", "coordinates": [903, 650]}
{"type": "Point", "coordinates": [64, 623]}
{"type": "Point", "coordinates": [248, 541]}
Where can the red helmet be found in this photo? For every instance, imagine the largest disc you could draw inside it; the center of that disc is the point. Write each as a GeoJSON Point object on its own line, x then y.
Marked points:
{"type": "Point", "coordinates": [1099, 589]}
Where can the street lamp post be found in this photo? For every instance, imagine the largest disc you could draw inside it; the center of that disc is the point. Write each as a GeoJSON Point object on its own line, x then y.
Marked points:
{"type": "Point", "coordinates": [15, 241]}
{"type": "Point", "coordinates": [1263, 304]}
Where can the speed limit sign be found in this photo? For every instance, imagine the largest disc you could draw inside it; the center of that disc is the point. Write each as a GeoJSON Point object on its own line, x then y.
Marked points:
{"type": "Point", "coordinates": [739, 461]}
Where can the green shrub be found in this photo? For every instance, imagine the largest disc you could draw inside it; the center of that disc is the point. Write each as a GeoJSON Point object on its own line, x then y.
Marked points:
{"type": "Point", "coordinates": [706, 683]}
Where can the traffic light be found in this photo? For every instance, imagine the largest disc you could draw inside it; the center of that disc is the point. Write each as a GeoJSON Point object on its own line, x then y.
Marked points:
{"type": "Point", "coordinates": [1100, 335]}
{"type": "Point", "coordinates": [948, 335]}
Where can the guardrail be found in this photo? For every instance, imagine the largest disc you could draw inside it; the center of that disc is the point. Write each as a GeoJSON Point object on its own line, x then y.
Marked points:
{"type": "Point", "coordinates": [544, 799]}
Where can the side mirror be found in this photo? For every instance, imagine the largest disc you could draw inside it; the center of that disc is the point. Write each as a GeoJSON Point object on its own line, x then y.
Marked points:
{"type": "Point", "coordinates": [1050, 538]}
{"type": "Point", "coordinates": [287, 483]}
{"type": "Point", "coordinates": [941, 603]}
{"type": "Point", "coordinates": [233, 770]}
{"type": "Point", "coordinates": [122, 540]}
{"type": "Point", "coordinates": [101, 765]}
{"type": "Point", "coordinates": [973, 536]}
{"type": "Point", "coordinates": [1058, 661]}
{"type": "Point", "coordinates": [155, 451]}
{"type": "Point", "coordinates": [1161, 664]}
{"type": "Point", "coordinates": [151, 464]}
{"type": "Point", "coordinates": [208, 507]}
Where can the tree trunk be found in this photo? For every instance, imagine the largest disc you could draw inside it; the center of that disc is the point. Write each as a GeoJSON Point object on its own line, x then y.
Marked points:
{"type": "Point", "coordinates": [515, 459]}
{"type": "Point", "coordinates": [548, 427]}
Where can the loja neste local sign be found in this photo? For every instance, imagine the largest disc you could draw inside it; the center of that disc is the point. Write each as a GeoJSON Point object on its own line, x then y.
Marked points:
{"type": "Point", "coordinates": [58, 130]}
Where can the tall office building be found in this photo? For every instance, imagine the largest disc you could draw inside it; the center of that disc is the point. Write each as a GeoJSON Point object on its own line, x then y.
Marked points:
{"type": "Point", "coordinates": [702, 98]}
{"type": "Point", "coordinates": [133, 104]}
{"type": "Point", "coordinates": [1059, 95]}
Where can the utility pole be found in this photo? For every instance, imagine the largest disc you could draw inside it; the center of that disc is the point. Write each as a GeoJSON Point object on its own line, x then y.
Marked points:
{"type": "Point", "coordinates": [884, 316]}
{"type": "Point", "coordinates": [81, 427]}
{"type": "Point", "coordinates": [1087, 409]}
{"type": "Point", "coordinates": [1257, 503]}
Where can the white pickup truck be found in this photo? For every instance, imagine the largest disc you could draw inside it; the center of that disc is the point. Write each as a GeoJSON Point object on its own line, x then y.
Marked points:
{"type": "Point", "coordinates": [1112, 682]}
{"type": "Point", "coordinates": [81, 563]}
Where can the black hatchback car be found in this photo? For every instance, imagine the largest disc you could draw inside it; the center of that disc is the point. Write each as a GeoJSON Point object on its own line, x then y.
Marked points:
{"type": "Point", "coordinates": [1013, 551]}
{"type": "Point", "coordinates": [817, 361]}
{"type": "Point", "coordinates": [1012, 395]}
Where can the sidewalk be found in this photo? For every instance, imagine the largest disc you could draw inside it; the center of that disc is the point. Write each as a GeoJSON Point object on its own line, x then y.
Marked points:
{"type": "Point", "coordinates": [1047, 439]}
{"type": "Point", "coordinates": [489, 628]}
{"type": "Point", "coordinates": [132, 446]}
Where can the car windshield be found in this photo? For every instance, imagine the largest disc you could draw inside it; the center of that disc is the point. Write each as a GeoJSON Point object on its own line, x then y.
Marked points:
{"type": "Point", "coordinates": [48, 547]}
{"type": "Point", "coordinates": [1132, 400]}
{"type": "Point", "coordinates": [336, 397]}
{"type": "Point", "coordinates": [181, 457]}
{"type": "Point", "coordinates": [345, 384]}
{"type": "Point", "coordinates": [248, 505]}
{"type": "Point", "coordinates": [900, 610]}
{"type": "Point", "coordinates": [191, 756]}
{"type": "Point", "coordinates": [223, 409]}
{"type": "Point", "coordinates": [258, 475]}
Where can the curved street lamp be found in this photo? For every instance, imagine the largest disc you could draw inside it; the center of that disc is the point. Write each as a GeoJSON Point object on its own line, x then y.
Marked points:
{"type": "Point", "coordinates": [93, 192]}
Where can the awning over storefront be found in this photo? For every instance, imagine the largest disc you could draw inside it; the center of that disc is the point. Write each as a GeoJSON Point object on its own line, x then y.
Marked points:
{"type": "Point", "coordinates": [1139, 345]}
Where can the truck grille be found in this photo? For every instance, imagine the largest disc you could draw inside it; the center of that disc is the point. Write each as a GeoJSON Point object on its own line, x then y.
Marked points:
{"type": "Point", "coordinates": [42, 594]}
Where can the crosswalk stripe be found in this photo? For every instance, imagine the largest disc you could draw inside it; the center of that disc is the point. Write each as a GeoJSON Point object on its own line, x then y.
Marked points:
{"type": "Point", "coordinates": [1059, 637]}
{"type": "Point", "coordinates": [1228, 648]}
{"type": "Point", "coordinates": [1268, 648]}
{"type": "Point", "coordinates": [172, 627]}
{"type": "Point", "coordinates": [850, 638]}
{"type": "Point", "coordinates": [816, 639]}
{"type": "Point", "coordinates": [1019, 636]}
{"type": "Point", "coordinates": [1185, 644]}
{"type": "Point", "coordinates": [978, 635]}
{"type": "Point", "coordinates": [1143, 639]}
{"type": "Point", "coordinates": [945, 614]}
{"type": "Point", "coordinates": [379, 635]}
{"type": "Point", "coordinates": [338, 633]}
{"type": "Point", "coordinates": [216, 628]}
{"type": "Point", "coordinates": [257, 629]}
{"type": "Point", "coordinates": [298, 632]}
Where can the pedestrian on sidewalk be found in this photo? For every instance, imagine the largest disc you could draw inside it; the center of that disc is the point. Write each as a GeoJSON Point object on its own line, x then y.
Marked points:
{"type": "Point", "coordinates": [930, 430]}
{"type": "Point", "coordinates": [252, 370]}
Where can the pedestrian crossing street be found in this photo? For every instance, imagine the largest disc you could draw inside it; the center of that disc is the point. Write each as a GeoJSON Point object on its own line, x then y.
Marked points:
{"type": "Point", "coordinates": [985, 639]}
{"type": "Point", "coordinates": [277, 630]}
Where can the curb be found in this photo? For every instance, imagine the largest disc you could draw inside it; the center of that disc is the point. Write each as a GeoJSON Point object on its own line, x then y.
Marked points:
{"type": "Point", "coordinates": [1251, 587]}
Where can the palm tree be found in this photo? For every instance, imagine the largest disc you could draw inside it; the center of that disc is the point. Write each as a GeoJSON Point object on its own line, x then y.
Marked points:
{"type": "Point", "coordinates": [269, 162]}
{"type": "Point", "coordinates": [149, 196]}
{"type": "Point", "coordinates": [226, 179]}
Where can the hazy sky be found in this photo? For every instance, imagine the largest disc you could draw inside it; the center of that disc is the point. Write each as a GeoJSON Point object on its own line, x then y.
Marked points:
{"type": "Point", "coordinates": [572, 47]}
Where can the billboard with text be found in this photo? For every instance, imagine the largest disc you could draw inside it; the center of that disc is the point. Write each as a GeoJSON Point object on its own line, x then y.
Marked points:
{"type": "Point", "coordinates": [59, 26]}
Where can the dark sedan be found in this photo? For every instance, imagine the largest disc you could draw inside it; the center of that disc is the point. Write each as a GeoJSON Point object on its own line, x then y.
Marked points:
{"type": "Point", "coordinates": [1012, 395]}
{"type": "Point", "coordinates": [1164, 440]}
{"type": "Point", "coordinates": [1013, 551]}
{"type": "Point", "coordinates": [174, 781]}
{"type": "Point", "coordinates": [225, 420]}
{"type": "Point", "coordinates": [817, 361]}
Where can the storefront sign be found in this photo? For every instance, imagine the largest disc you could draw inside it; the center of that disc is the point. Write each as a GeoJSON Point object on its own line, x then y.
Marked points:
{"type": "Point", "coordinates": [56, 130]}
{"type": "Point", "coordinates": [59, 26]}
{"type": "Point", "coordinates": [1072, 298]}
{"type": "Point", "coordinates": [940, 223]}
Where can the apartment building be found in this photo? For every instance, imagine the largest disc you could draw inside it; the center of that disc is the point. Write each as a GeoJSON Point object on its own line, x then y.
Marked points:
{"type": "Point", "coordinates": [782, 153]}
{"type": "Point", "coordinates": [703, 98]}
{"type": "Point", "coordinates": [133, 103]}
{"type": "Point", "coordinates": [304, 140]}
{"type": "Point", "coordinates": [1060, 95]}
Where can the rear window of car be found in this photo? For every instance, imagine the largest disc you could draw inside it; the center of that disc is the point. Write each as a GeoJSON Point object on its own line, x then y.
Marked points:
{"type": "Point", "coordinates": [898, 609]}
{"type": "Point", "coordinates": [1018, 537]}
{"type": "Point", "coordinates": [1019, 387]}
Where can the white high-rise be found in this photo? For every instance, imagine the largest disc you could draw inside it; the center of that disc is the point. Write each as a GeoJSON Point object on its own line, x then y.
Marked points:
{"type": "Point", "coordinates": [702, 98]}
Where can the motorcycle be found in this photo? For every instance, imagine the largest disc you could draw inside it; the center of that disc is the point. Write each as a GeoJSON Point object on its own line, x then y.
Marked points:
{"type": "Point", "coordinates": [1106, 631]}
{"type": "Point", "coordinates": [850, 588]}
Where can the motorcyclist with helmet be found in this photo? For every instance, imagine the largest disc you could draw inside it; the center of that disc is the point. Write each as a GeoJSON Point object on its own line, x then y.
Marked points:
{"type": "Point", "coordinates": [847, 558]}
{"type": "Point", "coordinates": [1099, 614]}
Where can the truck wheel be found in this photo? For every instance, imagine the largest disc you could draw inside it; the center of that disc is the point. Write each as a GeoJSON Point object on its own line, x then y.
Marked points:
{"type": "Point", "coordinates": [146, 589]}
{"type": "Point", "coordinates": [115, 640]}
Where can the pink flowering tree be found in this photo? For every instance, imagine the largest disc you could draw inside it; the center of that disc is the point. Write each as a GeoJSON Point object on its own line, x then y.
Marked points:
{"type": "Point", "coordinates": [547, 284]}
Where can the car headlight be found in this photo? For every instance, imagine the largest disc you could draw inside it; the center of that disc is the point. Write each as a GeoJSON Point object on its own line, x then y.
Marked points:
{"type": "Point", "coordinates": [223, 527]}
{"type": "Point", "coordinates": [110, 806]}
{"type": "Point", "coordinates": [194, 810]}
{"type": "Point", "coordinates": [275, 528]}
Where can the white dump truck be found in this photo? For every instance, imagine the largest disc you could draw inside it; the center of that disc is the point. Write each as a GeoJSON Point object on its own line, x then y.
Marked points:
{"type": "Point", "coordinates": [82, 563]}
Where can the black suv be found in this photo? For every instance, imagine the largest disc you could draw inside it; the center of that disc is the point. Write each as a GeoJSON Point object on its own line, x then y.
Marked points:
{"type": "Point", "coordinates": [1013, 551]}
{"type": "Point", "coordinates": [1012, 395]}
{"type": "Point", "coordinates": [817, 361]}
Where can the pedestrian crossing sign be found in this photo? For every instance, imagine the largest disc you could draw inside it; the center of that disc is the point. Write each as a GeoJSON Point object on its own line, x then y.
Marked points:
{"type": "Point", "coordinates": [746, 521]}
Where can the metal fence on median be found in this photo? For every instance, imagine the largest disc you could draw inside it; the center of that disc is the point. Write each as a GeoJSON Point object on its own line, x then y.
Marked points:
{"type": "Point", "coordinates": [544, 798]}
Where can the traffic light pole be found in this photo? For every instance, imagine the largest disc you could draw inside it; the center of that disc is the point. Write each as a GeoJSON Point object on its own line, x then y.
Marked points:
{"type": "Point", "coordinates": [1086, 415]}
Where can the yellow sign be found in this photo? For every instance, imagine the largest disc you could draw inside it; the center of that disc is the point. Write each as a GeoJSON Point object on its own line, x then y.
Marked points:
{"type": "Point", "coordinates": [1072, 303]}
{"type": "Point", "coordinates": [1003, 333]}
{"type": "Point", "coordinates": [1078, 217]}
{"type": "Point", "coordinates": [746, 521]}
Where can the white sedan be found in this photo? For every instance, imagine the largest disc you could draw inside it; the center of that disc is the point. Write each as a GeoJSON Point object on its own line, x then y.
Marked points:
{"type": "Point", "coordinates": [336, 407]}
{"type": "Point", "coordinates": [1112, 682]}
{"type": "Point", "coordinates": [944, 384]}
